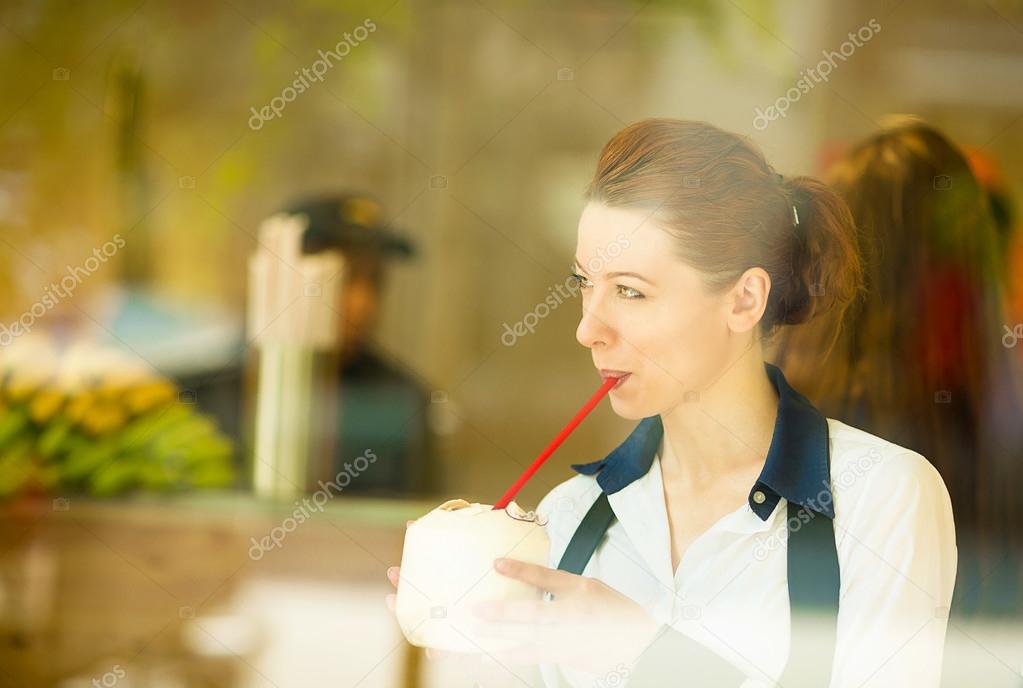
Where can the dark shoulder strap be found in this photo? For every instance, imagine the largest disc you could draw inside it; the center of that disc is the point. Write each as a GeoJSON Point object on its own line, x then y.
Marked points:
{"type": "Point", "coordinates": [814, 583]}
{"type": "Point", "coordinates": [587, 536]}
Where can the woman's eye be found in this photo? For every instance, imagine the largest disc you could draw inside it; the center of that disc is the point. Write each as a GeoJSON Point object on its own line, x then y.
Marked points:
{"type": "Point", "coordinates": [623, 291]}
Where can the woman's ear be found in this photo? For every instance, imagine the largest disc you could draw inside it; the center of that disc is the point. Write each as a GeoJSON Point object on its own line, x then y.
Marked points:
{"type": "Point", "coordinates": [747, 300]}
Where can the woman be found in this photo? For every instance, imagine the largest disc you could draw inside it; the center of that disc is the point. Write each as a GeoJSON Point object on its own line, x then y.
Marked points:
{"type": "Point", "coordinates": [691, 579]}
{"type": "Point", "coordinates": [921, 360]}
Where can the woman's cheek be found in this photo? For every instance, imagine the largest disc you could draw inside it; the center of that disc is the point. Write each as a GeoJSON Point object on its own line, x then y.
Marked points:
{"type": "Point", "coordinates": [688, 361]}
{"type": "Point", "coordinates": [669, 366]}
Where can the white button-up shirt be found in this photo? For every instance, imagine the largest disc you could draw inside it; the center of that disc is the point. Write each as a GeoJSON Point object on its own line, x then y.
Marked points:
{"type": "Point", "coordinates": [894, 535]}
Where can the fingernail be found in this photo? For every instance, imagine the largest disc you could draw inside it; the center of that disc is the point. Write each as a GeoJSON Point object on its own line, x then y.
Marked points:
{"type": "Point", "coordinates": [391, 570]}
{"type": "Point", "coordinates": [501, 564]}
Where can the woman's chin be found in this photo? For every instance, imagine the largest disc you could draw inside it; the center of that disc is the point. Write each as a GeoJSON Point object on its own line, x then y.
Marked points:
{"type": "Point", "coordinates": [626, 409]}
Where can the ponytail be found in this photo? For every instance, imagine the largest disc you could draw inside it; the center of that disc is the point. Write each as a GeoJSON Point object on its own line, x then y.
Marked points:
{"type": "Point", "coordinates": [826, 272]}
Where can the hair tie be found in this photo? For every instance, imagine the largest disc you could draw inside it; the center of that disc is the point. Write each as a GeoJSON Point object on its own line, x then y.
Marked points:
{"type": "Point", "coordinates": [795, 213]}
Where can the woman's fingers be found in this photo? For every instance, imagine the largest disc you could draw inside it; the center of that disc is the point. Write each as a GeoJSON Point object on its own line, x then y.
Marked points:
{"type": "Point", "coordinates": [389, 600]}
{"type": "Point", "coordinates": [552, 580]}
{"type": "Point", "coordinates": [514, 611]}
{"type": "Point", "coordinates": [528, 653]}
{"type": "Point", "coordinates": [462, 658]}
{"type": "Point", "coordinates": [394, 571]}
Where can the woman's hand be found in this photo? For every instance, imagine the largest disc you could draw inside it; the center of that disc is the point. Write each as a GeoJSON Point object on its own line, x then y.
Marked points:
{"type": "Point", "coordinates": [588, 625]}
{"type": "Point", "coordinates": [392, 575]}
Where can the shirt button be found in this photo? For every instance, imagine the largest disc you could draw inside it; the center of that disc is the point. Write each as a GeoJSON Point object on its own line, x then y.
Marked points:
{"type": "Point", "coordinates": [759, 497]}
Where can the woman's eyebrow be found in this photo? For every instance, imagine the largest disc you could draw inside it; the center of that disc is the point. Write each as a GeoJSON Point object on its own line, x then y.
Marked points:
{"type": "Point", "coordinates": [576, 266]}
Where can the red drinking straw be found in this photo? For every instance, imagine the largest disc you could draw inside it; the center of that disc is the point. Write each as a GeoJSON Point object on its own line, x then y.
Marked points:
{"type": "Point", "coordinates": [556, 442]}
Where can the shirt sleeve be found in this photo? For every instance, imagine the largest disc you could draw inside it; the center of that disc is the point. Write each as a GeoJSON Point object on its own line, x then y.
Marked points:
{"type": "Point", "coordinates": [897, 555]}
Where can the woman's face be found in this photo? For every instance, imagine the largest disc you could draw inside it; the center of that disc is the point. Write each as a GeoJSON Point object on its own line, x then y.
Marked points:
{"type": "Point", "coordinates": [659, 324]}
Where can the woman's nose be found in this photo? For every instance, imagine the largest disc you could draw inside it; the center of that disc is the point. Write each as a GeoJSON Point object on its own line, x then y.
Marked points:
{"type": "Point", "coordinates": [594, 328]}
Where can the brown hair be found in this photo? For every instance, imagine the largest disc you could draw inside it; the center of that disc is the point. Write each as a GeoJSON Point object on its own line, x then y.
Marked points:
{"type": "Point", "coordinates": [714, 192]}
{"type": "Point", "coordinates": [920, 359]}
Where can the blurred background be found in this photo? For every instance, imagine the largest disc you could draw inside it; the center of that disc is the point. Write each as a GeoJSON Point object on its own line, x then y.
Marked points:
{"type": "Point", "coordinates": [244, 245]}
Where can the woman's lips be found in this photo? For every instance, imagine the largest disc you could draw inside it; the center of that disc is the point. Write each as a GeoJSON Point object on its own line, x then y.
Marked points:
{"type": "Point", "coordinates": [620, 374]}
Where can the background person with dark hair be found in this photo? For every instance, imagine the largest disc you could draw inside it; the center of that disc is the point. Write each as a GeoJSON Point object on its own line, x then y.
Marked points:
{"type": "Point", "coordinates": [382, 406]}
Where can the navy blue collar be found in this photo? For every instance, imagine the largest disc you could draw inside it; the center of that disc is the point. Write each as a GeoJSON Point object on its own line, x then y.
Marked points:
{"type": "Point", "coordinates": [797, 466]}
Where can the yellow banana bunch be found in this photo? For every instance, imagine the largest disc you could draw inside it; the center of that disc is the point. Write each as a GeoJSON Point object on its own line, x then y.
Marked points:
{"type": "Point", "coordinates": [91, 419]}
